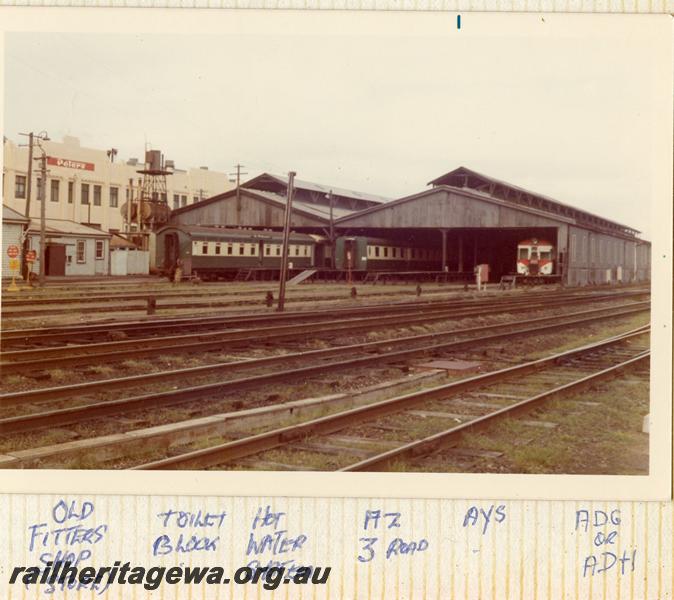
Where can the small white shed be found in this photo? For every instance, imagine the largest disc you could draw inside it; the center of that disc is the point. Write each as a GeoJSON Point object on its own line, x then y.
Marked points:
{"type": "Point", "coordinates": [126, 258]}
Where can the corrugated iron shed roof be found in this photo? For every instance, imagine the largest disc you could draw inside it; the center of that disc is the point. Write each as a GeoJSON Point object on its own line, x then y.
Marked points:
{"type": "Point", "coordinates": [582, 216]}
{"type": "Point", "coordinates": [65, 227]}
{"type": "Point", "coordinates": [317, 187]}
{"type": "Point", "coordinates": [312, 210]}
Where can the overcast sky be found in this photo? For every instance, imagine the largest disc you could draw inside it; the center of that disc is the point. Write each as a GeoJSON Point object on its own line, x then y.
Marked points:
{"type": "Point", "coordinates": [567, 116]}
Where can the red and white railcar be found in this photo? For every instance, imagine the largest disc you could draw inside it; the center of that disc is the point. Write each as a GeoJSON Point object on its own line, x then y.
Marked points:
{"type": "Point", "coordinates": [534, 258]}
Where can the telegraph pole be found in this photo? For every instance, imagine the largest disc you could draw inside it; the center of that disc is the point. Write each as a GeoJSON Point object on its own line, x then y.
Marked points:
{"type": "Point", "coordinates": [332, 230]}
{"type": "Point", "coordinates": [29, 187]}
{"type": "Point", "coordinates": [286, 238]}
{"type": "Point", "coordinates": [43, 211]}
{"type": "Point", "coordinates": [238, 186]}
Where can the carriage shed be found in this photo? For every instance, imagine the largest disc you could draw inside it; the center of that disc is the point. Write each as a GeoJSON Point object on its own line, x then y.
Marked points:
{"type": "Point", "coordinates": [475, 219]}
{"type": "Point", "coordinates": [210, 248]}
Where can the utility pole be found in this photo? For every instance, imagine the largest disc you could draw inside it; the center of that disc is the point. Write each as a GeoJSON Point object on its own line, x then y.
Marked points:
{"type": "Point", "coordinates": [43, 211]}
{"type": "Point", "coordinates": [332, 230]}
{"type": "Point", "coordinates": [29, 187]}
{"type": "Point", "coordinates": [286, 238]}
{"type": "Point", "coordinates": [238, 186]}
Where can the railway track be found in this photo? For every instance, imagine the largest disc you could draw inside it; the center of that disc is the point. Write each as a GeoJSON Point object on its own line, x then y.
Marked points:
{"type": "Point", "coordinates": [360, 356]}
{"type": "Point", "coordinates": [81, 355]}
{"type": "Point", "coordinates": [361, 428]}
{"type": "Point", "coordinates": [48, 336]}
{"type": "Point", "coordinates": [58, 306]}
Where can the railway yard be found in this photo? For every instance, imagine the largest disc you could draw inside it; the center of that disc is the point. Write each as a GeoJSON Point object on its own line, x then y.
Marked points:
{"type": "Point", "coordinates": [430, 378]}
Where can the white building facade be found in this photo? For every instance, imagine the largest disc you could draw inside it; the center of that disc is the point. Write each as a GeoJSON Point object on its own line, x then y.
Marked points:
{"type": "Point", "coordinates": [86, 185]}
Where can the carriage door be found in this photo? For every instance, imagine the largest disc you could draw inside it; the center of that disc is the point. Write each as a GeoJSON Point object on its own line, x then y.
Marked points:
{"type": "Point", "coordinates": [170, 250]}
{"type": "Point", "coordinates": [349, 254]}
{"type": "Point", "coordinates": [260, 250]}
{"type": "Point", "coordinates": [533, 261]}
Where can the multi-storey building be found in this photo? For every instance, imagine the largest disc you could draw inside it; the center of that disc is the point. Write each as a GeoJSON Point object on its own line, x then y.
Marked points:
{"type": "Point", "coordinates": [90, 186]}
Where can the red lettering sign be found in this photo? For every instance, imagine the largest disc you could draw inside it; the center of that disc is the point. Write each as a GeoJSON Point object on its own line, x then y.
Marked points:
{"type": "Point", "coordinates": [70, 164]}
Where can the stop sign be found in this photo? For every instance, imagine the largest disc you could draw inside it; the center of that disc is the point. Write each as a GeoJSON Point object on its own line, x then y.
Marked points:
{"type": "Point", "coordinates": [12, 251]}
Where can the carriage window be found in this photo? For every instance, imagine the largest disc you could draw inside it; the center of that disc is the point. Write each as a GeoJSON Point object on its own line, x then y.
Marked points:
{"type": "Point", "coordinates": [242, 249]}
{"type": "Point", "coordinates": [204, 248]}
{"type": "Point", "coordinates": [385, 250]}
{"type": "Point", "coordinates": [252, 250]}
{"type": "Point", "coordinates": [376, 250]}
{"type": "Point", "coordinates": [297, 250]}
{"type": "Point", "coordinates": [217, 248]}
{"type": "Point", "coordinates": [230, 249]}
{"type": "Point", "coordinates": [524, 253]}
{"type": "Point", "coordinates": [306, 250]}
{"type": "Point", "coordinates": [546, 254]}
{"type": "Point", "coordinates": [278, 249]}
{"type": "Point", "coordinates": [394, 252]}
{"type": "Point", "coordinates": [267, 249]}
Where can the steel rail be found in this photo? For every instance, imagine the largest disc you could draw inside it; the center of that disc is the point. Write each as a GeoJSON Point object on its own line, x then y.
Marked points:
{"type": "Point", "coordinates": [68, 333]}
{"type": "Point", "coordinates": [53, 333]}
{"type": "Point", "coordinates": [83, 354]}
{"type": "Point", "coordinates": [69, 391]}
{"type": "Point", "coordinates": [434, 442]}
{"type": "Point", "coordinates": [90, 387]}
{"type": "Point", "coordinates": [18, 314]}
{"type": "Point", "coordinates": [102, 308]}
{"type": "Point", "coordinates": [76, 414]}
{"type": "Point", "coordinates": [255, 444]}
{"type": "Point", "coordinates": [30, 299]}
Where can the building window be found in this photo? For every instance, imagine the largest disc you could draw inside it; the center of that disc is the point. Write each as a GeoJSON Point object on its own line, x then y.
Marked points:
{"type": "Point", "coordinates": [183, 200]}
{"type": "Point", "coordinates": [163, 197]}
{"type": "Point", "coordinates": [114, 197]}
{"type": "Point", "coordinates": [196, 199]}
{"type": "Point", "coordinates": [71, 192]}
{"type": "Point", "coordinates": [176, 201]}
{"type": "Point", "coordinates": [55, 190]}
{"type": "Point", "coordinates": [20, 186]}
{"type": "Point", "coordinates": [99, 250]}
{"type": "Point", "coordinates": [81, 251]}
{"type": "Point", "coordinates": [97, 195]}
{"type": "Point", "coordinates": [85, 193]}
